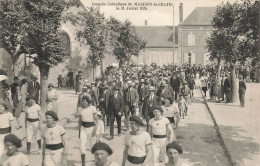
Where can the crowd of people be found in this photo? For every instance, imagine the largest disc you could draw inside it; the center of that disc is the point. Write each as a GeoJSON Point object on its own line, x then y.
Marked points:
{"type": "Point", "coordinates": [155, 96]}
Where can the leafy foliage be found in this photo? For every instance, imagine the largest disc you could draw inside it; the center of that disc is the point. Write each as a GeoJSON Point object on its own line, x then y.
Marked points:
{"type": "Point", "coordinates": [93, 33]}
{"type": "Point", "coordinates": [13, 28]}
{"type": "Point", "coordinates": [126, 42]}
{"type": "Point", "coordinates": [235, 35]}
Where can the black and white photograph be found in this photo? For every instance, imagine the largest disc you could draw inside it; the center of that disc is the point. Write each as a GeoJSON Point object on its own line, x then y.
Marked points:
{"type": "Point", "coordinates": [129, 83]}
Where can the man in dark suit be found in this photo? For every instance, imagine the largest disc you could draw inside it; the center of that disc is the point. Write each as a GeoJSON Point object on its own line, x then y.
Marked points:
{"type": "Point", "coordinates": [149, 102]}
{"type": "Point", "coordinates": [131, 99]}
{"type": "Point", "coordinates": [115, 109]}
{"type": "Point", "coordinates": [34, 88]}
{"type": "Point", "coordinates": [175, 83]}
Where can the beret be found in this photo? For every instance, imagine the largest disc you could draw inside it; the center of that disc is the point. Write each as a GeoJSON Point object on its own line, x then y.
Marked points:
{"type": "Point", "coordinates": [13, 139]}
{"type": "Point", "coordinates": [176, 146]}
{"type": "Point", "coordinates": [53, 114]}
{"type": "Point", "coordinates": [116, 88]}
{"type": "Point", "coordinates": [51, 85]}
{"type": "Point", "coordinates": [136, 119]}
{"type": "Point", "coordinates": [157, 107]}
{"type": "Point", "coordinates": [101, 146]}
{"type": "Point", "coordinates": [29, 98]}
{"type": "Point", "coordinates": [4, 104]}
{"type": "Point", "coordinates": [86, 98]}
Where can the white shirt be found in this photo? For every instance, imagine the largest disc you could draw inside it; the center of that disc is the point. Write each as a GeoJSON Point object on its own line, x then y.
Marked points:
{"type": "Point", "coordinates": [17, 160]}
{"type": "Point", "coordinates": [159, 126]}
{"type": "Point", "coordinates": [87, 113]}
{"type": "Point", "coordinates": [53, 135]}
{"type": "Point", "coordinates": [5, 119]}
{"type": "Point", "coordinates": [170, 111]}
{"type": "Point", "coordinates": [136, 143]}
{"type": "Point", "coordinates": [32, 112]}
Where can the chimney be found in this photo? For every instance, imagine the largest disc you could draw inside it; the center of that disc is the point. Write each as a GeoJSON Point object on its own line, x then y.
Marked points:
{"type": "Point", "coordinates": [181, 12]}
{"type": "Point", "coordinates": [145, 22]}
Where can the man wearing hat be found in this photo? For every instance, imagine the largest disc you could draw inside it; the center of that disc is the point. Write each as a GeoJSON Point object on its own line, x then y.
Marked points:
{"type": "Point", "coordinates": [34, 88]}
{"type": "Point", "coordinates": [5, 124]}
{"type": "Point", "coordinates": [175, 83]}
{"type": "Point", "coordinates": [13, 157]}
{"type": "Point", "coordinates": [115, 110]}
{"type": "Point", "coordinates": [14, 85]}
{"type": "Point", "coordinates": [131, 99]}
{"type": "Point", "coordinates": [138, 149]}
{"type": "Point", "coordinates": [70, 79]}
{"type": "Point", "coordinates": [149, 102]}
{"type": "Point", "coordinates": [101, 153]}
{"type": "Point", "coordinates": [163, 90]}
{"type": "Point", "coordinates": [79, 82]}
{"type": "Point", "coordinates": [143, 91]}
{"type": "Point", "coordinates": [94, 93]}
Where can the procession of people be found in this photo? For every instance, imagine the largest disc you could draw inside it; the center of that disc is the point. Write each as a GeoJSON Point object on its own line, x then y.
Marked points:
{"type": "Point", "coordinates": [156, 97]}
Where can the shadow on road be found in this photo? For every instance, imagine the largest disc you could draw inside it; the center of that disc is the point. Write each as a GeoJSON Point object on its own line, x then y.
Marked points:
{"type": "Point", "coordinates": [201, 145]}
{"type": "Point", "coordinates": [241, 146]}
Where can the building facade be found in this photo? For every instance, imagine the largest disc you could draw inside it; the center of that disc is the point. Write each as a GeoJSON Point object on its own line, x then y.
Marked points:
{"type": "Point", "coordinates": [192, 35]}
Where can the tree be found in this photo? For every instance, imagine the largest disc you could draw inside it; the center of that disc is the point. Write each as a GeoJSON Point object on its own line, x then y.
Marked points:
{"type": "Point", "coordinates": [44, 20]}
{"type": "Point", "coordinates": [231, 24]}
{"type": "Point", "coordinates": [13, 27]}
{"type": "Point", "coordinates": [94, 34]}
{"type": "Point", "coordinates": [125, 41]}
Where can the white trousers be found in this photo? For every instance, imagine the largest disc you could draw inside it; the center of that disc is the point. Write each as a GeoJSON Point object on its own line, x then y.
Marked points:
{"type": "Point", "coordinates": [53, 157]}
{"type": "Point", "coordinates": [159, 150]}
{"type": "Point", "coordinates": [86, 137]}
{"type": "Point", "coordinates": [2, 144]}
{"type": "Point", "coordinates": [32, 130]}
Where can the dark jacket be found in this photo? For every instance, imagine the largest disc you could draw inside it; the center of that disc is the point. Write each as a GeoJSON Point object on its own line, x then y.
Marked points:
{"type": "Point", "coordinates": [115, 105]}
{"type": "Point", "coordinates": [227, 85]}
{"type": "Point", "coordinates": [131, 97]}
{"type": "Point", "coordinates": [34, 90]}
{"type": "Point", "coordinates": [242, 86]}
{"type": "Point", "coordinates": [175, 83]}
{"type": "Point", "coordinates": [148, 105]}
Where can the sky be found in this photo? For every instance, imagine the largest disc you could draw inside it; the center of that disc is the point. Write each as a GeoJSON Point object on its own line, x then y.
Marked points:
{"type": "Point", "coordinates": [155, 15]}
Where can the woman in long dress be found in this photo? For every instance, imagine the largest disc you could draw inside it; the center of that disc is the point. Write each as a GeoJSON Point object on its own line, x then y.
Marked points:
{"type": "Point", "coordinates": [24, 93]}
{"type": "Point", "coordinates": [52, 99]}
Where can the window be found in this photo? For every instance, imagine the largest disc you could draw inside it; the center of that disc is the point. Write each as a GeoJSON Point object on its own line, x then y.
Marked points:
{"type": "Point", "coordinates": [191, 39]}
{"type": "Point", "coordinates": [189, 58]}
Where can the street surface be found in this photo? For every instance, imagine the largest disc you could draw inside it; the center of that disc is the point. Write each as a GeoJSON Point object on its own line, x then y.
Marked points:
{"type": "Point", "coordinates": [196, 134]}
{"type": "Point", "coordinates": [240, 127]}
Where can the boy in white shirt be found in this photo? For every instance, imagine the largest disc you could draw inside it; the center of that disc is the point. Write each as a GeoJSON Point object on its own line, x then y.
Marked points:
{"type": "Point", "coordinates": [32, 122]}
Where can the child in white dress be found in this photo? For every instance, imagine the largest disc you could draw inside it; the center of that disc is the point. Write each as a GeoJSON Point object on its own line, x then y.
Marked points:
{"type": "Point", "coordinates": [100, 127]}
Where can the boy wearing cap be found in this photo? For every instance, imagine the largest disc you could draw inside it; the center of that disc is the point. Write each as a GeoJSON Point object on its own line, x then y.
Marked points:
{"type": "Point", "coordinates": [32, 122]}
{"type": "Point", "coordinates": [87, 125]}
{"type": "Point", "coordinates": [5, 124]}
{"type": "Point", "coordinates": [101, 153]}
{"type": "Point", "coordinates": [138, 149]}
{"type": "Point", "coordinates": [54, 147]}
{"type": "Point", "coordinates": [13, 157]}
{"type": "Point", "coordinates": [159, 129]}
{"type": "Point", "coordinates": [174, 151]}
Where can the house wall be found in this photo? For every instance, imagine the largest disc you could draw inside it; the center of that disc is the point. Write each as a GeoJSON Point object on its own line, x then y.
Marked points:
{"type": "Point", "coordinates": [197, 48]}
{"type": "Point", "coordinates": [160, 56]}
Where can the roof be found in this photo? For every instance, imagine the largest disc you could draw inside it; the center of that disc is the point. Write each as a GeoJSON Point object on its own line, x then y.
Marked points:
{"type": "Point", "coordinates": [200, 16]}
{"type": "Point", "coordinates": [156, 36]}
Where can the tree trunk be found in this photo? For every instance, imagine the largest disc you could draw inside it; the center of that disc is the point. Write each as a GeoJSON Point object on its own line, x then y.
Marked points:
{"type": "Point", "coordinates": [234, 83]}
{"type": "Point", "coordinates": [43, 89]}
{"type": "Point", "coordinates": [218, 71]}
{"type": "Point", "coordinates": [120, 67]}
{"type": "Point", "coordinates": [102, 69]}
{"type": "Point", "coordinates": [93, 74]}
